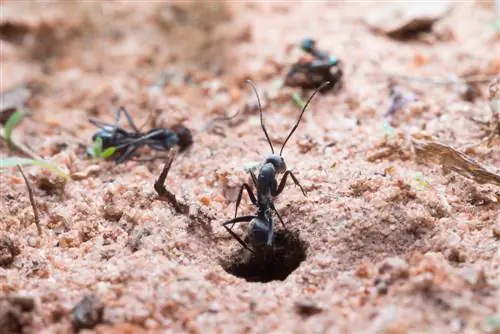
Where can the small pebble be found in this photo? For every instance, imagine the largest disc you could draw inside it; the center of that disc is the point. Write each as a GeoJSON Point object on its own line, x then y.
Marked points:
{"type": "Point", "coordinates": [8, 251]}
{"type": "Point", "coordinates": [496, 231]}
{"type": "Point", "coordinates": [307, 308]}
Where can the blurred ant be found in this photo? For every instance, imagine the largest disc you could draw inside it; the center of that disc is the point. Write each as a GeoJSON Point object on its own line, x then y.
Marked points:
{"type": "Point", "coordinates": [309, 73]}
{"type": "Point", "coordinates": [127, 142]}
{"type": "Point", "coordinates": [261, 230]}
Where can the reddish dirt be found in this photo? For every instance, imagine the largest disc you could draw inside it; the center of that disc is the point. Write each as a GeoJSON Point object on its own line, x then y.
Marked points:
{"type": "Point", "coordinates": [385, 251]}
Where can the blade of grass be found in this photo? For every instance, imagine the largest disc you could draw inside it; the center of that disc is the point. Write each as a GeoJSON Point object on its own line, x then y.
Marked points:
{"type": "Point", "coordinates": [11, 123]}
{"type": "Point", "coordinates": [298, 100]}
{"type": "Point", "coordinates": [14, 161]}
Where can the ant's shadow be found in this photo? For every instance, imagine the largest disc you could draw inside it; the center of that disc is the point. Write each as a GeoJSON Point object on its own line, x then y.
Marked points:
{"type": "Point", "coordinates": [288, 252]}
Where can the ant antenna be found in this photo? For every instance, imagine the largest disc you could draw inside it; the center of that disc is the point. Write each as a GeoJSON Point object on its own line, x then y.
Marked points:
{"type": "Point", "coordinates": [303, 109]}
{"type": "Point", "coordinates": [260, 111]}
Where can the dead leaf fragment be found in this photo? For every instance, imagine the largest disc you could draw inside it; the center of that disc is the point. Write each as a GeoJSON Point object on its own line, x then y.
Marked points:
{"type": "Point", "coordinates": [452, 160]}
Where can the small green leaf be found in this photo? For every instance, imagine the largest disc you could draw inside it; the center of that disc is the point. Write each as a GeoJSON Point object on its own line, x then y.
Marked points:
{"type": "Point", "coordinates": [298, 100]}
{"type": "Point", "coordinates": [108, 152]}
{"type": "Point", "coordinates": [96, 149]}
{"type": "Point", "coordinates": [11, 123]}
{"type": "Point", "coordinates": [14, 161]}
{"type": "Point", "coordinates": [97, 152]}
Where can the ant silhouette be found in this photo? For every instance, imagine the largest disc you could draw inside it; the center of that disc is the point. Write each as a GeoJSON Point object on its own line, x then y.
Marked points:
{"type": "Point", "coordinates": [127, 142]}
{"type": "Point", "coordinates": [308, 73]}
{"type": "Point", "coordinates": [261, 229]}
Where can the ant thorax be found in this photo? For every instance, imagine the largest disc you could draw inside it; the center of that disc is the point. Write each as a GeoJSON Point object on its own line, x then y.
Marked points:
{"type": "Point", "coordinates": [277, 161]}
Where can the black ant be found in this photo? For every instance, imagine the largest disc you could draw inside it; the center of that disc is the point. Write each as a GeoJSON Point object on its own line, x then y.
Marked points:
{"type": "Point", "coordinates": [261, 230]}
{"type": "Point", "coordinates": [308, 72]}
{"type": "Point", "coordinates": [127, 142]}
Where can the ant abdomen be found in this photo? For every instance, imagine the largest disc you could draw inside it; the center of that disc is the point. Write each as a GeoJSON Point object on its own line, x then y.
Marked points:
{"type": "Point", "coordinates": [260, 233]}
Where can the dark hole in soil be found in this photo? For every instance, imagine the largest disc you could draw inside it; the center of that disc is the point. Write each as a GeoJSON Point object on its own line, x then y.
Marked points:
{"type": "Point", "coordinates": [288, 252]}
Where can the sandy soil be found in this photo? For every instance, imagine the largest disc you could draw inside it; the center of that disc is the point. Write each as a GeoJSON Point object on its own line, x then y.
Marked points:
{"type": "Point", "coordinates": [390, 246]}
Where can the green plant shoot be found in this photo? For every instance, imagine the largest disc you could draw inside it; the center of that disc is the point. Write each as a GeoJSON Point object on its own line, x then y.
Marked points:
{"type": "Point", "coordinates": [421, 181]}
{"type": "Point", "coordinates": [298, 100]}
{"type": "Point", "coordinates": [97, 152]}
{"type": "Point", "coordinates": [11, 123]}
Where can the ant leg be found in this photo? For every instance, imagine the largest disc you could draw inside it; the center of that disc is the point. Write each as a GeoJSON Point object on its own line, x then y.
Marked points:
{"type": "Point", "coordinates": [127, 154]}
{"type": "Point", "coordinates": [283, 183]}
{"type": "Point", "coordinates": [241, 219]}
{"type": "Point", "coordinates": [100, 125]}
{"type": "Point", "coordinates": [246, 187]}
{"type": "Point", "coordinates": [254, 179]}
{"type": "Point", "coordinates": [127, 115]}
{"type": "Point", "coordinates": [278, 214]}
{"type": "Point", "coordinates": [144, 139]}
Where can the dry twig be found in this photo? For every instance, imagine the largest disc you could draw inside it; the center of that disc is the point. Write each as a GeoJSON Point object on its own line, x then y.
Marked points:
{"type": "Point", "coordinates": [163, 193]}
{"type": "Point", "coordinates": [32, 201]}
{"type": "Point", "coordinates": [180, 207]}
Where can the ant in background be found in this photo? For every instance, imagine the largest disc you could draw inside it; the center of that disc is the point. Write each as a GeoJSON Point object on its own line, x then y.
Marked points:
{"type": "Point", "coordinates": [261, 229]}
{"type": "Point", "coordinates": [127, 142]}
{"type": "Point", "coordinates": [312, 70]}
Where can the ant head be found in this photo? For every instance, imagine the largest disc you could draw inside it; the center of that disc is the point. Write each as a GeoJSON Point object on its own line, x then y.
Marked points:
{"type": "Point", "coordinates": [277, 161]}
{"type": "Point", "coordinates": [308, 44]}
{"type": "Point", "coordinates": [185, 138]}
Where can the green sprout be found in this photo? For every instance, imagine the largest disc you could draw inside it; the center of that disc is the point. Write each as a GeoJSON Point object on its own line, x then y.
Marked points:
{"type": "Point", "coordinates": [97, 152]}
{"type": "Point", "coordinates": [423, 183]}
{"type": "Point", "coordinates": [298, 100]}
{"type": "Point", "coordinates": [11, 123]}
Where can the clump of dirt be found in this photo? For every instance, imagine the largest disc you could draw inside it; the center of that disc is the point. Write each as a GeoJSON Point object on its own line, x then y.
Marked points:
{"type": "Point", "coordinates": [87, 313]}
{"type": "Point", "coordinates": [288, 251]}
{"type": "Point", "coordinates": [8, 251]}
{"type": "Point", "coordinates": [15, 313]}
